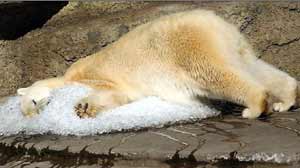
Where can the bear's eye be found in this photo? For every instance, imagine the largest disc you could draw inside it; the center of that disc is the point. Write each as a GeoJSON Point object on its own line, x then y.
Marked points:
{"type": "Point", "coordinates": [34, 102]}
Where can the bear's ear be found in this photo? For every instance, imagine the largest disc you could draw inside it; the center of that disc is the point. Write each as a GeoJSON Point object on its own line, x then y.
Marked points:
{"type": "Point", "coordinates": [22, 91]}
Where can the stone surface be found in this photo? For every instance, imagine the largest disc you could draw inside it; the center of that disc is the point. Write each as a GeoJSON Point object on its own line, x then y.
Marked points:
{"type": "Point", "coordinates": [222, 140]}
{"type": "Point", "coordinates": [80, 29]}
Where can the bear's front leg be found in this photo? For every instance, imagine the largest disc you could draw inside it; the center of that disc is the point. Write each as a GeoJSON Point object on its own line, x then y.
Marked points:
{"type": "Point", "coordinates": [99, 101]}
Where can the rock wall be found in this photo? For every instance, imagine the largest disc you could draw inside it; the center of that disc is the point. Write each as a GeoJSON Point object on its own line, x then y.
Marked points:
{"type": "Point", "coordinates": [79, 29]}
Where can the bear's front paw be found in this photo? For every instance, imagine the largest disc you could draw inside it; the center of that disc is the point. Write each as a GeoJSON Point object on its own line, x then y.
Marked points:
{"type": "Point", "coordinates": [249, 114]}
{"type": "Point", "coordinates": [281, 107]}
{"type": "Point", "coordinates": [86, 109]}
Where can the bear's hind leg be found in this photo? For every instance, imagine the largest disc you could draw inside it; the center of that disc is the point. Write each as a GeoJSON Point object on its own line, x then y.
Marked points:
{"type": "Point", "coordinates": [278, 83]}
{"type": "Point", "coordinates": [239, 87]}
{"type": "Point", "coordinates": [247, 92]}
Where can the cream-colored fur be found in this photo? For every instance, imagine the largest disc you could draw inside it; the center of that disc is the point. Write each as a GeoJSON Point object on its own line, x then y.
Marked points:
{"type": "Point", "coordinates": [177, 58]}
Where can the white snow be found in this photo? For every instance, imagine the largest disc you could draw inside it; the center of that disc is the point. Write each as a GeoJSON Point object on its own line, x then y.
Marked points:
{"type": "Point", "coordinates": [58, 117]}
{"type": "Point", "coordinates": [280, 158]}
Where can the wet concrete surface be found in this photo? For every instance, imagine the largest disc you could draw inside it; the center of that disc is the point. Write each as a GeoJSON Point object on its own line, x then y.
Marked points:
{"type": "Point", "coordinates": [225, 141]}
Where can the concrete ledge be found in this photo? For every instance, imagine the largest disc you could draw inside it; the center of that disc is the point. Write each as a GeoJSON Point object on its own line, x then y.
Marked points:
{"type": "Point", "coordinates": [272, 140]}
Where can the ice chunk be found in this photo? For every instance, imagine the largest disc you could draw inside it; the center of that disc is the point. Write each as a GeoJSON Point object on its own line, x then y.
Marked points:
{"type": "Point", "coordinates": [58, 117]}
{"type": "Point", "coordinates": [281, 158]}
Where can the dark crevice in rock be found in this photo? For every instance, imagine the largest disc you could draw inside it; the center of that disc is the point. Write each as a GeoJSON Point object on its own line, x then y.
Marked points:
{"type": "Point", "coordinates": [277, 123]}
{"type": "Point", "coordinates": [248, 21]}
{"type": "Point", "coordinates": [276, 44]}
{"type": "Point", "coordinates": [121, 142]}
{"type": "Point", "coordinates": [184, 162]}
{"type": "Point", "coordinates": [60, 158]}
{"type": "Point", "coordinates": [233, 162]}
{"type": "Point", "coordinates": [190, 162]}
{"type": "Point", "coordinates": [17, 19]}
{"type": "Point", "coordinates": [285, 43]}
{"type": "Point", "coordinates": [293, 8]}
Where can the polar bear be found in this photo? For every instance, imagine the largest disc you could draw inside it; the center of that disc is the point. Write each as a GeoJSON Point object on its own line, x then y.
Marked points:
{"type": "Point", "coordinates": [177, 57]}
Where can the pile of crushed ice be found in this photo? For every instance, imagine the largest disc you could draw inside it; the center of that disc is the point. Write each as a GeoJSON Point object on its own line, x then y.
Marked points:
{"type": "Point", "coordinates": [58, 117]}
